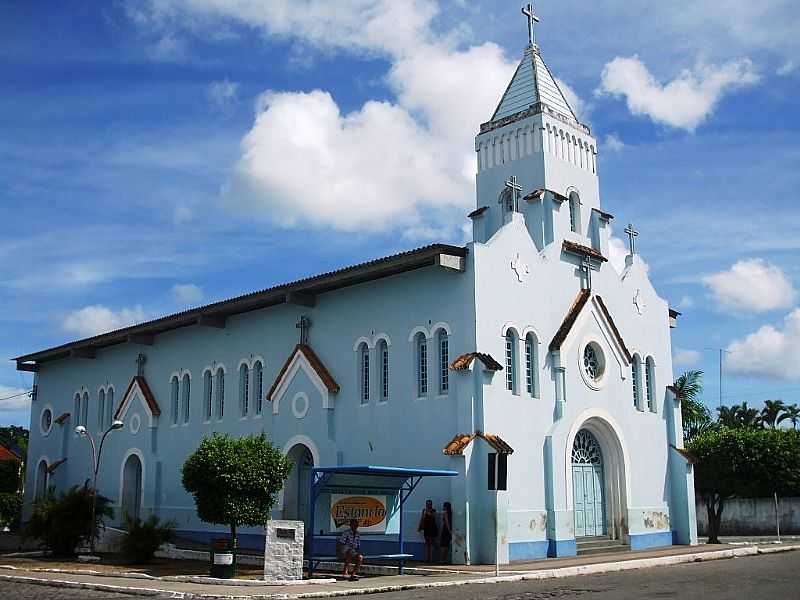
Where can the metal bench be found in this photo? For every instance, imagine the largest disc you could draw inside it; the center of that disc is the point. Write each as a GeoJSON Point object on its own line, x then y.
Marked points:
{"type": "Point", "coordinates": [314, 561]}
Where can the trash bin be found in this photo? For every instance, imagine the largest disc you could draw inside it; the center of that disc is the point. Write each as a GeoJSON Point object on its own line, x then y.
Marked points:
{"type": "Point", "coordinates": [223, 558]}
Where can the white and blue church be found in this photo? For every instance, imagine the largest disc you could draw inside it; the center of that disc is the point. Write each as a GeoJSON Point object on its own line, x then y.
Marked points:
{"type": "Point", "coordinates": [524, 352]}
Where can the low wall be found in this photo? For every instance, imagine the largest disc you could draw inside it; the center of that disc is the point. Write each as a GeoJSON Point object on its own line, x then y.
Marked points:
{"type": "Point", "coordinates": [753, 516]}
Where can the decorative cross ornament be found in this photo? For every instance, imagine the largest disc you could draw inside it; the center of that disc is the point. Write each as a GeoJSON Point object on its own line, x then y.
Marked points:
{"type": "Point", "coordinates": [140, 360]}
{"type": "Point", "coordinates": [632, 233]}
{"type": "Point", "coordinates": [520, 268]}
{"type": "Point", "coordinates": [515, 188]}
{"type": "Point", "coordinates": [639, 303]}
{"type": "Point", "coordinates": [532, 18]}
{"type": "Point", "coordinates": [304, 324]}
{"type": "Point", "coordinates": [586, 267]}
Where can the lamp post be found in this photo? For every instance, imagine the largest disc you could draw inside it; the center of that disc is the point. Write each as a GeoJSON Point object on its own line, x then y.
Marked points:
{"type": "Point", "coordinates": [96, 451]}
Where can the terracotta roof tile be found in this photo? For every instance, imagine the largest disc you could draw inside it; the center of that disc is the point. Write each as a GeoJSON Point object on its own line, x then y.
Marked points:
{"type": "Point", "coordinates": [53, 466]}
{"type": "Point", "coordinates": [61, 418]}
{"type": "Point", "coordinates": [465, 360]}
{"type": "Point", "coordinates": [569, 319]}
{"type": "Point", "coordinates": [603, 214]}
{"type": "Point", "coordinates": [149, 398]}
{"type": "Point", "coordinates": [478, 212]}
{"type": "Point", "coordinates": [614, 328]}
{"type": "Point", "coordinates": [7, 453]}
{"type": "Point", "coordinates": [539, 193]}
{"type": "Point", "coordinates": [316, 364]}
{"type": "Point", "coordinates": [584, 250]}
{"type": "Point", "coordinates": [457, 445]}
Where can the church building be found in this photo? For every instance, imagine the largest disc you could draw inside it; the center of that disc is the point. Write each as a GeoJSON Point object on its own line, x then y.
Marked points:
{"type": "Point", "coordinates": [524, 360]}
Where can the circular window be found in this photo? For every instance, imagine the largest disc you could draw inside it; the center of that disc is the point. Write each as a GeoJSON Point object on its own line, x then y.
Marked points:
{"type": "Point", "coordinates": [136, 422]}
{"type": "Point", "coordinates": [593, 365]}
{"type": "Point", "coordinates": [46, 422]}
{"type": "Point", "coordinates": [300, 405]}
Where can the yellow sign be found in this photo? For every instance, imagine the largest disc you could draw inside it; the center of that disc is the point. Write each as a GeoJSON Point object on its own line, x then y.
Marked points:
{"type": "Point", "coordinates": [369, 510]}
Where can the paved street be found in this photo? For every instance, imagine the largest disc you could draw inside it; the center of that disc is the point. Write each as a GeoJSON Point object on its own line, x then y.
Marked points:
{"type": "Point", "coordinates": [752, 578]}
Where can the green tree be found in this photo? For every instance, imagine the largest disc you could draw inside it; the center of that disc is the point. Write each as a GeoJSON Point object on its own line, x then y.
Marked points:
{"type": "Point", "coordinates": [792, 413]}
{"type": "Point", "coordinates": [743, 462]}
{"type": "Point", "coordinates": [235, 481]}
{"type": "Point", "coordinates": [694, 414]}
{"type": "Point", "coordinates": [771, 412]}
{"type": "Point", "coordinates": [738, 416]}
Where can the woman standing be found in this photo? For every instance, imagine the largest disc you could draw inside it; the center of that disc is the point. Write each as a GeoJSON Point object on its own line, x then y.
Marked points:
{"type": "Point", "coordinates": [427, 525]}
{"type": "Point", "coordinates": [447, 531]}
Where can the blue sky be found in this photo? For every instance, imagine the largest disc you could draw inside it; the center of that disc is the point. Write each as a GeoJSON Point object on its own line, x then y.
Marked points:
{"type": "Point", "coordinates": [160, 154]}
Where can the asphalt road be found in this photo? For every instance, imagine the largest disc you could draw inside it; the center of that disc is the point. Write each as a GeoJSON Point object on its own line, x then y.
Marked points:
{"type": "Point", "coordinates": [768, 577]}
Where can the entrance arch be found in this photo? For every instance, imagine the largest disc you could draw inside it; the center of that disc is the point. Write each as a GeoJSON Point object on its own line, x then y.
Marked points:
{"type": "Point", "coordinates": [296, 488]}
{"type": "Point", "coordinates": [595, 444]}
{"type": "Point", "coordinates": [131, 500]}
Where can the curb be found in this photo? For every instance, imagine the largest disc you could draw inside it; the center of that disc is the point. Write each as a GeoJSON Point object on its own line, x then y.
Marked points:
{"type": "Point", "coordinates": [556, 573]}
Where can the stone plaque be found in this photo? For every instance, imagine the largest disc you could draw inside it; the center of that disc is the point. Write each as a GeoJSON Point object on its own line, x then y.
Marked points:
{"type": "Point", "coordinates": [283, 550]}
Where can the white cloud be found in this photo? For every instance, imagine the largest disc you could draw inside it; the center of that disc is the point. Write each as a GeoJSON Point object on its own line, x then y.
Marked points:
{"type": "Point", "coordinates": [167, 49]}
{"type": "Point", "coordinates": [187, 294]}
{"type": "Point", "coordinates": [751, 285]}
{"type": "Point", "coordinates": [18, 399]}
{"type": "Point", "coordinates": [96, 319]}
{"type": "Point", "coordinates": [682, 357]}
{"type": "Point", "coordinates": [686, 301]}
{"type": "Point", "coordinates": [182, 214]}
{"type": "Point", "coordinates": [581, 108]}
{"type": "Point", "coordinates": [787, 68]}
{"type": "Point", "coordinates": [769, 351]}
{"type": "Point", "coordinates": [686, 101]}
{"type": "Point", "coordinates": [612, 143]}
{"type": "Point", "coordinates": [223, 94]}
{"type": "Point", "coordinates": [617, 253]}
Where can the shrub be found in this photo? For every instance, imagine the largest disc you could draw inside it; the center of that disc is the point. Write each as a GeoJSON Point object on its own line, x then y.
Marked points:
{"type": "Point", "coordinates": [145, 537]}
{"type": "Point", "coordinates": [61, 523]}
{"type": "Point", "coordinates": [9, 476]}
{"type": "Point", "coordinates": [10, 510]}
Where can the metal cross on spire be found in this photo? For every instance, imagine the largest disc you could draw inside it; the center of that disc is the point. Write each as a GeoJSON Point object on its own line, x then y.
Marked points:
{"type": "Point", "coordinates": [515, 189]}
{"type": "Point", "coordinates": [304, 324]}
{"type": "Point", "coordinates": [532, 18]}
{"type": "Point", "coordinates": [586, 267]}
{"type": "Point", "coordinates": [632, 233]}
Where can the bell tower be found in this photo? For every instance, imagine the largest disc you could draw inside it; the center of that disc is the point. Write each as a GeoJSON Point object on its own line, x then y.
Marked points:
{"type": "Point", "coordinates": [535, 140]}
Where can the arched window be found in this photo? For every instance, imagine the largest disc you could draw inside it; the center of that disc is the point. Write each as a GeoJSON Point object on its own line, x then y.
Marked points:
{"type": "Point", "coordinates": [173, 397]}
{"type": "Point", "coordinates": [511, 361]}
{"type": "Point", "coordinates": [383, 357]}
{"type": "Point", "coordinates": [363, 373]}
{"type": "Point", "coordinates": [186, 387]}
{"type": "Point", "coordinates": [41, 480]}
{"type": "Point", "coordinates": [443, 345]}
{"type": "Point", "coordinates": [574, 213]}
{"type": "Point", "coordinates": [532, 365]}
{"type": "Point", "coordinates": [109, 406]}
{"type": "Point", "coordinates": [77, 411]}
{"type": "Point", "coordinates": [208, 393]}
{"type": "Point", "coordinates": [258, 381]}
{"type": "Point", "coordinates": [101, 409]}
{"type": "Point", "coordinates": [85, 409]}
{"type": "Point", "coordinates": [244, 389]}
{"type": "Point", "coordinates": [650, 381]}
{"type": "Point", "coordinates": [421, 351]}
{"type": "Point", "coordinates": [220, 383]}
{"type": "Point", "coordinates": [636, 377]}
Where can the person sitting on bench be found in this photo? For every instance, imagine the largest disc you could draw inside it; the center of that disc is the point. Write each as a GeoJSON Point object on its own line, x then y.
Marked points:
{"type": "Point", "coordinates": [347, 549]}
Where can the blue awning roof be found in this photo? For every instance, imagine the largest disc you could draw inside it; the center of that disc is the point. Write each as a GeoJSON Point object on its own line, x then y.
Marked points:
{"type": "Point", "coordinates": [373, 476]}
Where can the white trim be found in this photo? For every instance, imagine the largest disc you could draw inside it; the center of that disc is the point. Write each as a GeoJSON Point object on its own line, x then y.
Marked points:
{"type": "Point", "coordinates": [125, 458]}
{"type": "Point", "coordinates": [506, 326]}
{"type": "Point", "coordinates": [298, 362]}
{"type": "Point", "coordinates": [297, 412]}
{"type": "Point", "coordinates": [135, 424]}
{"type": "Point", "coordinates": [255, 359]}
{"type": "Point", "coordinates": [305, 441]}
{"type": "Point", "coordinates": [417, 330]}
{"type": "Point", "coordinates": [246, 362]}
{"type": "Point", "coordinates": [381, 336]}
{"type": "Point", "coordinates": [362, 340]}
{"type": "Point", "coordinates": [136, 392]}
{"type": "Point", "coordinates": [52, 420]}
{"type": "Point", "coordinates": [440, 325]}
{"type": "Point", "coordinates": [531, 329]}
{"type": "Point", "coordinates": [219, 366]}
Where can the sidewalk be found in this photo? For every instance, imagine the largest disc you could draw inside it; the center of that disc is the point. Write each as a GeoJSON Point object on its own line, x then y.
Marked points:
{"type": "Point", "coordinates": [425, 577]}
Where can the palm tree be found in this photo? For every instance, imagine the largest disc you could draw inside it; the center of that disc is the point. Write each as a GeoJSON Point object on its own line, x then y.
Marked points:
{"type": "Point", "coordinates": [790, 413]}
{"type": "Point", "coordinates": [695, 415]}
{"type": "Point", "coordinates": [770, 413]}
{"type": "Point", "coordinates": [738, 416]}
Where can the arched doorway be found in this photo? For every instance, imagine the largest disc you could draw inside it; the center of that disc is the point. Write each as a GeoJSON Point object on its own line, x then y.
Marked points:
{"type": "Point", "coordinates": [296, 490]}
{"type": "Point", "coordinates": [132, 487]}
{"type": "Point", "coordinates": [588, 486]}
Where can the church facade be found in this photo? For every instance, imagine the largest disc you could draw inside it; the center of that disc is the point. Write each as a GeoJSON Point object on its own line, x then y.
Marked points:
{"type": "Point", "coordinates": [525, 355]}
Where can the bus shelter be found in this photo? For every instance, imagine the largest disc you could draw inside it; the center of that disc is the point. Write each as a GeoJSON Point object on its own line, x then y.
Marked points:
{"type": "Point", "coordinates": [396, 484]}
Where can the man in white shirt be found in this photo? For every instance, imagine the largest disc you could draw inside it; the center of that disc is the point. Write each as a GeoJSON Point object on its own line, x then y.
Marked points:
{"type": "Point", "coordinates": [347, 549]}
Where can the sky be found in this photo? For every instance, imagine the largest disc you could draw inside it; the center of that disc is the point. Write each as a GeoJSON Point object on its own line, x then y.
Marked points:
{"type": "Point", "coordinates": [162, 154]}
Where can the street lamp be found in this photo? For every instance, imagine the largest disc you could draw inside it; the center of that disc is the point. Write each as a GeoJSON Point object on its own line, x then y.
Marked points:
{"type": "Point", "coordinates": [96, 451]}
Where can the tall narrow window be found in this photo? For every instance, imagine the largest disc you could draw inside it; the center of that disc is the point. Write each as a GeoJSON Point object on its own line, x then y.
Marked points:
{"type": "Point", "coordinates": [635, 377]}
{"type": "Point", "coordinates": [422, 364]}
{"type": "Point", "coordinates": [85, 409]}
{"type": "Point", "coordinates": [363, 365]}
{"type": "Point", "coordinates": [383, 356]}
{"type": "Point", "coordinates": [574, 208]}
{"type": "Point", "coordinates": [208, 386]}
{"type": "Point", "coordinates": [173, 395]}
{"type": "Point", "coordinates": [101, 410]}
{"type": "Point", "coordinates": [186, 393]}
{"type": "Point", "coordinates": [220, 393]}
{"type": "Point", "coordinates": [649, 375]}
{"type": "Point", "coordinates": [511, 361]}
{"type": "Point", "coordinates": [77, 412]}
{"type": "Point", "coordinates": [109, 406]}
{"type": "Point", "coordinates": [41, 480]}
{"type": "Point", "coordinates": [258, 380]}
{"type": "Point", "coordinates": [531, 365]}
{"type": "Point", "coordinates": [244, 389]}
{"type": "Point", "coordinates": [444, 353]}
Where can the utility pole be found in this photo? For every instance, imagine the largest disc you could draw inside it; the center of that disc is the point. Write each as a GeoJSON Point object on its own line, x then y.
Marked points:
{"type": "Point", "coordinates": [722, 352]}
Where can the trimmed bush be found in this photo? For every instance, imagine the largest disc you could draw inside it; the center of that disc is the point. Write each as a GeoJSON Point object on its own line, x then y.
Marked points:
{"type": "Point", "coordinates": [10, 510]}
{"type": "Point", "coordinates": [145, 537]}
